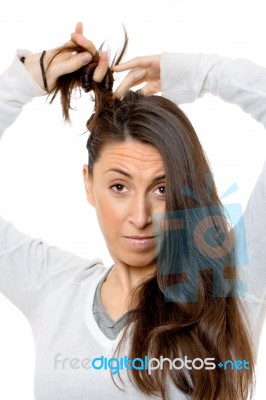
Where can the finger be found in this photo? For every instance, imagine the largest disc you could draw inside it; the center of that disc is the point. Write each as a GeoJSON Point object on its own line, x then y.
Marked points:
{"type": "Point", "coordinates": [134, 63]}
{"type": "Point", "coordinates": [63, 52]}
{"type": "Point", "coordinates": [84, 42]}
{"type": "Point", "coordinates": [79, 28]}
{"type": "Point", "coordinates": [74, 63]}
{"type": "Point", "coordinates": [148, 90]}
{"type": "Point", "coordinates": [133, 78]}
{"type": "Point", "coordinates": [62, 56]}
{"type": "Point", "coordinates": [101, 69]}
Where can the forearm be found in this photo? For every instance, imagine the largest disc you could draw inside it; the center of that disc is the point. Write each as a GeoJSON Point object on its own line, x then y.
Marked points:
{"type": "Point", "coordinates": [185, 77]}
{"type": "Point", "coordinates": [17, 88]}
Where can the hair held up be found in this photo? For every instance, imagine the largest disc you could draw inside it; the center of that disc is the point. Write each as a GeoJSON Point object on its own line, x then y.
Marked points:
{"type": "Point", "coordinates": [83, 79]}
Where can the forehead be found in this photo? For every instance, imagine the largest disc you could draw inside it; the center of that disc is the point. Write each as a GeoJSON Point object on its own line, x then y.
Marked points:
{"type": "Point", "coordinates": [132, 155]}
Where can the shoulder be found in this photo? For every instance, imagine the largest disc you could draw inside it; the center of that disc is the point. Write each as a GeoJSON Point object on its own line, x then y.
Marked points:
{"type": "Point", "coordinates": [89, 270]}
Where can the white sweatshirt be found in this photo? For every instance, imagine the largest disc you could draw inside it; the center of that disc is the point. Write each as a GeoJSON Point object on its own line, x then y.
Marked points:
{"type": "Point", "coordinates": [55, 289]}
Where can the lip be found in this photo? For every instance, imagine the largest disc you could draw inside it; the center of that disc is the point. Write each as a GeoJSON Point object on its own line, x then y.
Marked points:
{"type": "Point", "coordinates": [140, 242]}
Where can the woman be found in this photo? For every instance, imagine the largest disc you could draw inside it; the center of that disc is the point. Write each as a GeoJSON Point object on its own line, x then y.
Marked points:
{"type": "Point", "coordinates": [143, 157]}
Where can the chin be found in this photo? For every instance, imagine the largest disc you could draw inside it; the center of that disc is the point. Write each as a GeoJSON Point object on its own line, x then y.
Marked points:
{"type": "Point", "coordinates": [136, 261]}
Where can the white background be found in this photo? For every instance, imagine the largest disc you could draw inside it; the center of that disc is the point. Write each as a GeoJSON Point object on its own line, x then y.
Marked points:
{"type": "Point", "coordinates": [41, 187]}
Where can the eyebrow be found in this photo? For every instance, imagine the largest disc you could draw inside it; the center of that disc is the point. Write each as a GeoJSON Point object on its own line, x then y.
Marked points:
{"type": "Point", "coordinates": [122, 172]}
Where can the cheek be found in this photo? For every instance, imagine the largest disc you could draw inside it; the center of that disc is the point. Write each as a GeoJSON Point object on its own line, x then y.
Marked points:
{"type": "Point", "coordinates": [110, 215]}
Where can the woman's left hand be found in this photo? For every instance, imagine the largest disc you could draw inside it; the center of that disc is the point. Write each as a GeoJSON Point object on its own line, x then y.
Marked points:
{"type": "Point", "coordinates": [145, 69]}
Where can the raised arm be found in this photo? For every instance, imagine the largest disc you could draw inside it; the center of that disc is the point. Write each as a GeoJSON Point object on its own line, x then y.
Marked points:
{"type": "Point", "coordinates": [21, 82]}
{"type": "Point", "coordinates": [30, 268]}
{"type": "Point", "coordinates": [17, 88]}
{"type": "Point", "coordinates": [184, 77]}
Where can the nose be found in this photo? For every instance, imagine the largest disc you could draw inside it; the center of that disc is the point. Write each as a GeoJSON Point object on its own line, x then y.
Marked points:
{"type": "Point", "coordinates": [140, 212]}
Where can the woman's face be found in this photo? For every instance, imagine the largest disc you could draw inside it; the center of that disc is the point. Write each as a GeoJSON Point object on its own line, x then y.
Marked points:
{"type": "Point", "coordinates": [127, 186]}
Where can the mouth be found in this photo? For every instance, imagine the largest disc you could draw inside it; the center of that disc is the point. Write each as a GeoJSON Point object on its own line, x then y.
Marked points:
{"type": "Point", "coordinates": [140, 242]}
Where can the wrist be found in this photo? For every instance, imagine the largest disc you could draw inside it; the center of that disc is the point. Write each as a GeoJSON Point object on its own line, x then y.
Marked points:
{"type": "Point", "coordinates": [32, 65]}
{"type": "Point", "coordinates": [23, 79]}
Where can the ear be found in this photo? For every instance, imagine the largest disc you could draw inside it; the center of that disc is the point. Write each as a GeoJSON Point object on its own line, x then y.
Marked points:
{"type": "Point", "coordinates": [87, 176]}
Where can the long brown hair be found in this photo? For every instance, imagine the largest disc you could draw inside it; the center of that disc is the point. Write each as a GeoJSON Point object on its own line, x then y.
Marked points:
{"type": "Point", "coordinates": [191, 306]}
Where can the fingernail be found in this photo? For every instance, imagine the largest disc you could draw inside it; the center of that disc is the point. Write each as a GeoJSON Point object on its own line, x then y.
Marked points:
{"type": "Point", "coordinates": [86, 58]}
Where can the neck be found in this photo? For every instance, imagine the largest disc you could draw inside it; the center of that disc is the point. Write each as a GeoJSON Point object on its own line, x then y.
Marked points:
{"type": "Point", "coordinates": [117, 288]}
{"type": "Point", "coordinates": [126, 278]}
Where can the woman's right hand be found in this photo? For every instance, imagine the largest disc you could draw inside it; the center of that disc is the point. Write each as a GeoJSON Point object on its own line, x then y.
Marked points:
{"type": "Point", "coordinates": [66, 62]}
{"type": "Point", "coordinates": [142, 69]}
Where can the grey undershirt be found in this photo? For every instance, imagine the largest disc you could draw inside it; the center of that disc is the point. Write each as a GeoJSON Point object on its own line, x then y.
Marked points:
{"type": "Point", "coordinates": [107, 325]}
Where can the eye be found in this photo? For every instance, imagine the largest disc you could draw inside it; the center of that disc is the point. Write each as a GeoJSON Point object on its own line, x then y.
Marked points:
{"type": "Point", "coordinates": [118, 188]}
{"type": "Point", "coordinates": [161, 190]}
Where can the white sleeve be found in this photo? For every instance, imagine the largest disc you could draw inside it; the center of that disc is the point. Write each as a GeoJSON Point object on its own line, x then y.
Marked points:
{"type": "Point", "coordinates": [17, 88]}
{"type": "Point", "coordinates": [185, 77]}
{"type": "Point", "coordinates": [254, 273]}
{"type": "Point", "coordinates": [30, 269]}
